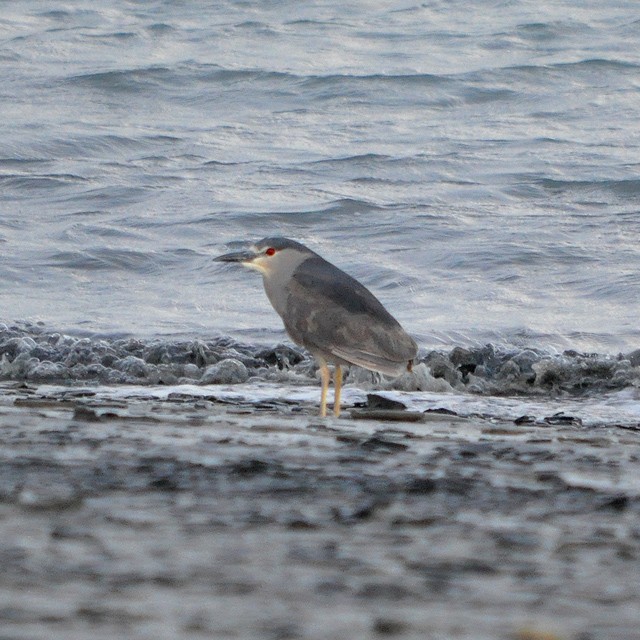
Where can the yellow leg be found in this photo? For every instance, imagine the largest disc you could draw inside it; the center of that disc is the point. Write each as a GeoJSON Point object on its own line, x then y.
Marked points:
{"type": "Point", "coordinates": [325, 376]}
{"type": "Point", "coordinates": [337, 381]}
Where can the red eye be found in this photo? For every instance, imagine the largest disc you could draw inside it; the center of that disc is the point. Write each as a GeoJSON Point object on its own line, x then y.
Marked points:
{"type": "Point", "coordinates": [270, 251]}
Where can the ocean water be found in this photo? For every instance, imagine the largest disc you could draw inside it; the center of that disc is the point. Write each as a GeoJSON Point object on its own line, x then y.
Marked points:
{"type": "Point", "coordinates": [476, 165]}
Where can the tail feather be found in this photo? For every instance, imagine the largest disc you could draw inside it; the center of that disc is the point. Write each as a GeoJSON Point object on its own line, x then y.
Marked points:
{"type": "Point", "coordinates": [372, 362]}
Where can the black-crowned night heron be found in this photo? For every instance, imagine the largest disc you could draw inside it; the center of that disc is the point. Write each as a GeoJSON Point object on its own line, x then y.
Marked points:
{"type": "Point", "coordinates": [329, 313]}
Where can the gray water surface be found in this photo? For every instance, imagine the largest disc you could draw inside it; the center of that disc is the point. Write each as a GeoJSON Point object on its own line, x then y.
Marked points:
{"type": "Point", "coordinates": [476, 165]}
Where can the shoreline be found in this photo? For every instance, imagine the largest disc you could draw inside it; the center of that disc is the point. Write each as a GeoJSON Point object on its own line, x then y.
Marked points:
{"type": "Point", "coordinates": [187, 517]}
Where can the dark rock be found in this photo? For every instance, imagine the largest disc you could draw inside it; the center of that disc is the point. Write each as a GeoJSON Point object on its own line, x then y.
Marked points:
{"type": "Point", "coordinates": [376, 443]}
{"type": "Point", "coordinates": [562, 419]}
{"type": "Point", "coordinates": [390, 415]}
{"type": "Point", "coordinates": [376, 401]}
{"type": "Point", "coordinates": [442, 411]}
{"type": "Point", "coordinates": [420, 486]}
{"type": "Point", "coordinates": [634, 358]}
{"type": "Point", "coordinates": [441, 367]}
{"type": "Point", "coordinates": [249, 467]}
{"type": "Point", "coordinates": [281, 356]}
{"type": "Point", "coordinates": [616, 503]}
{"type": "Point", "coordinates": [388, 627]}
{"type": "Point", "coordinates": [86, 414]}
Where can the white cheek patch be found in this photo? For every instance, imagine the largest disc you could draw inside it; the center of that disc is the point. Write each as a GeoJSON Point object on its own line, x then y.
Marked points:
{"type": "Point", "coordinates": [257, 264]}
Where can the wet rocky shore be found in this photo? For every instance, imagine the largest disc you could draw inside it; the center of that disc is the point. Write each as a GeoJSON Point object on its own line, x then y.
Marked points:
{"type": "Point", "coordinates": [37, 354]}
{"type": "Point", "coordinates": [128, 516]}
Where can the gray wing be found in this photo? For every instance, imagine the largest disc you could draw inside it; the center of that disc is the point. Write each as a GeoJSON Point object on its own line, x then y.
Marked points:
{"type": "Point", "coordinates": [332, 314]}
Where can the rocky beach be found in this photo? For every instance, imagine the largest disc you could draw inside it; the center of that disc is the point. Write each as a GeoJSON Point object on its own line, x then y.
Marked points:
{"type": "Point", "coordinates": [147, 512]}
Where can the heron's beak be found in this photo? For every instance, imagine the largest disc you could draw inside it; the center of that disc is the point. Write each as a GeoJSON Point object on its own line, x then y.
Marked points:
{"type": "Point", "coordinates": [237, 256]}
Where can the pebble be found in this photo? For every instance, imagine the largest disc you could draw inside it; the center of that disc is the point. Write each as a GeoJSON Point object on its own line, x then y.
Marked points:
{"type": "Point", "coordinates": [229, 371]}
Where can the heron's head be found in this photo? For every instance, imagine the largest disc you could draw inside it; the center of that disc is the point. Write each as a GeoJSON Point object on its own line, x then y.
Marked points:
{"type": "Point", "coordinates": [270, 256]}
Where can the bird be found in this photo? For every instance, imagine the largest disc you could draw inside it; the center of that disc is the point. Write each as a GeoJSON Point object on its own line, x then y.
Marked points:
{"type": "Point", "coordinates": [328, 312]}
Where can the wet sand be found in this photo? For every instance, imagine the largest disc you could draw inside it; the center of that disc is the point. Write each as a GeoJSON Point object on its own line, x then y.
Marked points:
{"type": "Point", "coordinates": [190, 518]}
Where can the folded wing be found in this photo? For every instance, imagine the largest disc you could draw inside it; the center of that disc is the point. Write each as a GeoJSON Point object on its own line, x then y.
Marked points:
{"type": "Point", "coordinates": [332, 314]}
